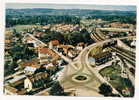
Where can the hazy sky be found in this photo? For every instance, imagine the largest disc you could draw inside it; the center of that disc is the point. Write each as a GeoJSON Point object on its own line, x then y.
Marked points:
{"type": "Point", "coordinates": [69, 6]}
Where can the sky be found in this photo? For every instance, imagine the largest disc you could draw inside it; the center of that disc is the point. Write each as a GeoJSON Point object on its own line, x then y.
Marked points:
{"type": "Point", "coordinates": [70, 6]}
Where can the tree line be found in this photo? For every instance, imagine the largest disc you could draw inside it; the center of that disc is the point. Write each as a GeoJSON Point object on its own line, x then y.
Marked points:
{"type": "Point", "coordinates": [42, 20]}
{"type": "Point", "coordinates": [72, 38]}
{"type": "Point", "coordinates": [114, 18]}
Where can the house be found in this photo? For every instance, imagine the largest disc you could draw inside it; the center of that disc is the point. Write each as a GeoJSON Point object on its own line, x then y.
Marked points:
{"type": "Point", "coordinates": [35, 81]}
{"type": "Point", "coordinates": [48, 66]}
{"type": "Point", "coordinates": [8, 41]}
{"type": "Point", "coordinates": [15, 86]}
{"type": "Point", "coordinates": [8, 57]}
{"type": "Point", "coordinates": [65, 48]}
{"type": "Point", "coordinates": [51, 66]}
{"type": "Point", "coordinates": [80, 46]}
{"type": "Point", "coordinates": [46, 26]}
{"type": "Point", "coordinates": [133, 43]}
{"type": "Point", "coordinates": [71, 53]}
{"type": "Point", "coordinates": [38, 34]}
{"type": "Point", "coordinates": [30, 63]}
{"type": "Point", "coordinates": [53, 44]}
{"type": "Point", "coordinates": [30, 40]}
{"type": "Point", "coordinates": [9, 90]}
{"type": "Point", "coordinates": [47, 55]}
{"type": "Point", "coordinates": [29, 70]}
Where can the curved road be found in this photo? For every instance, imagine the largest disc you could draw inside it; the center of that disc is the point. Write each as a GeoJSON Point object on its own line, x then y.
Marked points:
{"type": "Point", "coordinates": [82, 67]}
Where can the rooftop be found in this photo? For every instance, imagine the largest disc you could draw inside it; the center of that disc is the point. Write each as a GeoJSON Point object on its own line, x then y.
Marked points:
{"type": "Point", "coordinates": [66, 46]}
{"type": "Point", "coordinates": [32, 63]}
{"type": "Point", "coordinates": [48, 51]}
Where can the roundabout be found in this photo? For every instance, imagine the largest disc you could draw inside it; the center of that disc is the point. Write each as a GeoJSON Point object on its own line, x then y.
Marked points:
{"type": "Point", "coordinates": [81, 78]}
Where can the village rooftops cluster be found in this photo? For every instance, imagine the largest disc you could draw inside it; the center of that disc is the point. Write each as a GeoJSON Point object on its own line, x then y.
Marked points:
{"type": "Point", "coordinates": [64, 28]}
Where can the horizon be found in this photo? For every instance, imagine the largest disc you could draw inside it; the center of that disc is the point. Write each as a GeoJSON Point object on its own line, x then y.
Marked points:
{"type": "Point", "coordinates": [69, 6]}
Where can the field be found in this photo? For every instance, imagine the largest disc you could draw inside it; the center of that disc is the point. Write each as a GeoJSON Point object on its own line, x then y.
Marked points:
{"type": "Point", "coordinates": [21, 27]}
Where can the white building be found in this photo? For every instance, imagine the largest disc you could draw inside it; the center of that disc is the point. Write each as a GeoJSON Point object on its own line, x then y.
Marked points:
{"type": "Point", "coordinates": [29, 70]}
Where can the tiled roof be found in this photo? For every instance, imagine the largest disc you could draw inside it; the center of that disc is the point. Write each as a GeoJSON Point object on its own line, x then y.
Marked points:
{"type": "Point", "coordinates": [31, 63]}
{"type": "Point", "coordinates": [66, 46]}
{"type": "Point", "coordinates": [46, 27]}
{"type": "Point", "coordinates": [48, 51]}
{"type": "Point", "coordinates": [44, 50]}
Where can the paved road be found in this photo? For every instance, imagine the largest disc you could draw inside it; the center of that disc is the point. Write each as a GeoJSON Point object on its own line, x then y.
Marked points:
{"type": "Point", "coordinates": [82, 67]}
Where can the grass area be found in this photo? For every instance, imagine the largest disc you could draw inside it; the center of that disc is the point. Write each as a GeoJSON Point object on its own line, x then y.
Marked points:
{"type": "Point", "coordinates": [21, 27]}
{"type": "Point", "coordinates": [116, 80]}
{"type": "Point", "coordinates": [111, 70]}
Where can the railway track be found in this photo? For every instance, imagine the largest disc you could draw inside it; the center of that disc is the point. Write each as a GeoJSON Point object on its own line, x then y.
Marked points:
{"type": "Point", "coordinates": [124, 54]}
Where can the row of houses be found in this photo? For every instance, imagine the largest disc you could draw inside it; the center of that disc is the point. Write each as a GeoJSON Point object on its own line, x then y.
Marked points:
{"type": "Point", "coordinates": [28, 85]}
{"type": "Point", "coordinates": [67, 50]}
{"type": "Point", "coordinates": [120, 25]}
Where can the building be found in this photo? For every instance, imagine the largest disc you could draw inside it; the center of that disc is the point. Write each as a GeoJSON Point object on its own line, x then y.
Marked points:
{"type": "Point", "coordinates": [71, 53]}
{"type": "Point", "coordinates": [51, 66]}
{"type": "Point", "coordinates": [80, 46]}
{"type": "Point", "coordinates": [15, 87]}
{"type": "Point", "coordinates": [29, 70]}
{"type": "Point", "coordinates": [38, 34]}
{"type": "Point", "coordinates": [30, 63]}
{"type": "Point", "coordinates": [8, 57]}
{"type": "Point", "coordinates": [102, 58]}
{"type": "Point", "coordinates": [47, 55]}
{"type": "Point", "coordinates": [13, 91]}
{"type": "Point", "coordinates": [46, 26]}
{"type": "Point", "coordinates": [133, 43]}
{"type": "Point", "coordinates": [65, 48]}
{"type": "Point", "coordinates": [35, 81]}
{"type": "Point", "coordinates": [29, 39]}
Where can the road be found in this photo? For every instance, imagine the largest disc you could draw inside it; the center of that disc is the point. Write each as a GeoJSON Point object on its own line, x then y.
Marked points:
{"type": "Point", "coordinates": [81, 67]}
{"type": "Point", "coordinates": [127, 56]}
{"type": "Point", "coordinates": [84, 67]}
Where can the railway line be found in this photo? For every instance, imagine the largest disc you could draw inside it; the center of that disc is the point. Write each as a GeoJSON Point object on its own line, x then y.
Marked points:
{"type": "Point", "coordinates": [126, 54]}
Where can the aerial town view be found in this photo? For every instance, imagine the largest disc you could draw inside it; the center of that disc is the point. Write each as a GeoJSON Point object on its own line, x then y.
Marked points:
{"type": "Point", "coordinates": [70, 50]}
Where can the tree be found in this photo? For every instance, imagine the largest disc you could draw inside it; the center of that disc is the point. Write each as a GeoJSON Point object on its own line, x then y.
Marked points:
{"type": "Point", "coordinates": [105, 89]}
{"type": "Point", "coordinates": [56, 89]}
{"type": "Point", "coordinates": [21, 51]}
{"type": "Point", "coordinates": [52, 35]}
{"type": "Point", "coordinates": [9, 67]}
